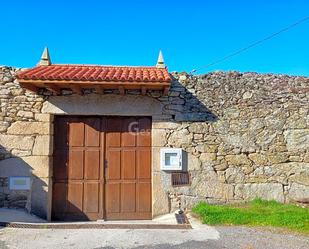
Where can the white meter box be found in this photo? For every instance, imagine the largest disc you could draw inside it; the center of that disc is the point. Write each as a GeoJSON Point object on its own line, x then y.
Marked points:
{"type": "Point", "coordinates": [19, 183]}
{"type": "Point", "coordinates": [171, 158]}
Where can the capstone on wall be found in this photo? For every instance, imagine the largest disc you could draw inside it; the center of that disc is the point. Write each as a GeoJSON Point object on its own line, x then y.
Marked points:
{"type": "Point", "coordinates": [246, 135]}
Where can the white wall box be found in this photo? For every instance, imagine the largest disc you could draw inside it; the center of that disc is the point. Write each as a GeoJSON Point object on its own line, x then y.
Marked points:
{"type": "Point", "coordinates": [171, 159]}
{"type": "Point", "coordinates": [19, 183]}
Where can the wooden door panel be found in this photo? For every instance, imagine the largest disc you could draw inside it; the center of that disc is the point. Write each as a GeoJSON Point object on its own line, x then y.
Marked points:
{"type": "Point", "coordinates": [60, 160]}
{"type": "Point", "coordinates": [92, 164]}
{"type": "Point", "coordinates": [59, 197]}
{"type": "Point", "coordinates": [75, 197]}
{"type": "Point", "coordinates": [76, 164]}
{"type": "Point", "coordinates": [92, 132]}
{"type": "Point", "coordinates": [113, 139]}
{"type": "Point", "coordinates": [128, 139]}
{"type": "Point", "coordinates": [91, 197]}
{"type": "Point", "coordinates": [128, 197]}
{"type": "Point", "coordinates": [144, 136]}
{"type": "Point", "coordinates": [128, 164]}
{"type": "Point", "coordinates": [144, 197]}
{"type": "Point", "coordinates": [113, 164]}
{"type": "Point", "coordinates": [76, 133]}
{"type": "Point", "coordinates": [113, 135]}
{"type": "Point", "coordinates": [112, 197]}
{"type": "Point", "coordinates": [128, 134]}
{"type": "Point", "coordinates": [61, 133]}
{"type": "Point", "coordinates": [143, 163]}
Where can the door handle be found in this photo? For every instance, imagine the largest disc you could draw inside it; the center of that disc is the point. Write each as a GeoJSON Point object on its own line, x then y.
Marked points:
{"type": "Point", "coordinates": [105, 163]}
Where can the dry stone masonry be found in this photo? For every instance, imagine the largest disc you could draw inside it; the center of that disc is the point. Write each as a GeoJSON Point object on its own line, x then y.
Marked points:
{"type": "Point", "coordinates": [255, 144]}
{"type": "Point", "coordinates": [246, 135]}
{"type": "Point", "coordinates": [23, 138]}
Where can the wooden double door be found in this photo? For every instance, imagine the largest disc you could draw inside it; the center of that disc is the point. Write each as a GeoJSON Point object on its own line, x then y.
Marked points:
{"type": "Point", "coordinates": [102, 168]}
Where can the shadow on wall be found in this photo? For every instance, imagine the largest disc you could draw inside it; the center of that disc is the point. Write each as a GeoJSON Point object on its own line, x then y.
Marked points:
{"type": "Point", "coordinates": [185, 106]}
{"type": "Point", "coordinates": [34, 200]}
{"type": "Point", "coordinates": [181, 105]}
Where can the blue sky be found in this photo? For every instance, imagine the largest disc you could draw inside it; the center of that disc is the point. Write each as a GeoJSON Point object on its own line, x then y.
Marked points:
{"type": "Point", "coordinates": [191, 33]}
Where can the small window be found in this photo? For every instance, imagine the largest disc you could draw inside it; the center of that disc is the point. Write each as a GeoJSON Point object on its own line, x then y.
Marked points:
{"type": "Point", "coordinates": [180, 179]}
{"type": "Point", "coordinates": [171, 159]}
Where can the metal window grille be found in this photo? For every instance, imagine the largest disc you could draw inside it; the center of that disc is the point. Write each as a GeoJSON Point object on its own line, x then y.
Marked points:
{"type": "Point", "coordinates": [180, 179]}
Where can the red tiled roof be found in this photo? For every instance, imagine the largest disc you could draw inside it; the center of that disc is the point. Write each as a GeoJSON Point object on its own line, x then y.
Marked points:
{"type": "Point", "coordinates": [96, 73]}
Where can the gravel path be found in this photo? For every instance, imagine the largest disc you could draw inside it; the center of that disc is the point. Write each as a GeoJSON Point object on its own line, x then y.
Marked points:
{"type": "Point", "coordinates": [200, 237]}
{"type": "Point", "coordinates": [257, 238]}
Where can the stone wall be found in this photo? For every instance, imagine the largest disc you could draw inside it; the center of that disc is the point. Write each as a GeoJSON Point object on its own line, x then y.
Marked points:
{"type": "Point", "coordinates": [255, 145]}
{"type": "Point", "coordinates": [24, 144]}
{"type": "Point", "coordinates": [245, 136]}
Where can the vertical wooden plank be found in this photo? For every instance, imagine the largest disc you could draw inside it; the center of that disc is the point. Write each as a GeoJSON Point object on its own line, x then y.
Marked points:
{"type": "Point", "coordinates": [91, 197]}
{"type": "Point", "coordinates": [76, 164]}
{"type": "Point", "coordinates": [129, 132]}
{"type": "Point", "coordinates": [143, 91]}
{"type": "Point", "coordinates": [76, 133]}
{"type": "Point", "coordinates": [92, 164]}
{"type": "Point", "coordinates": [59, 204]}
{"type": "Point", "coordinates": [113, 135]}
{"type": "Point", "coordinates": [112, 201]}
{"type": "Point", "coordinates": [144, 197]}
{"type": "Point", "coordinates": [128, 164]}
{"type": "Point", "coordinates": [75, 197]}
{"type": "Point", "coordinates": [121, 90]}
{"type": "Point", "coordinates": [144, 136]}
{"type": "Point", "coordinates": [60, 132]}
{"type": "Point", "coordinates": [128, 197]}
{"type": "Point", "coordinates": [143, 163]}
{"type": "Point", "coordinates": [60, 161]}
{"type": "Point", "coordinates": [113, 164]}
{"type": "Point", "coordinates": [92, 132]}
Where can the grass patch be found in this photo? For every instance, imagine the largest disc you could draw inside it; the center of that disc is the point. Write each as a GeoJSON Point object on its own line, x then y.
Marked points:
{"type": "Point", "coordinates": [256, 213]}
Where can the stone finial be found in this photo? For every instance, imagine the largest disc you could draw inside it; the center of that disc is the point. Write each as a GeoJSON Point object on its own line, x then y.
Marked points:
{"type": "Point", "coordinates": [160, 62]}
{"type": "Point", "coordinates": [45, 58]}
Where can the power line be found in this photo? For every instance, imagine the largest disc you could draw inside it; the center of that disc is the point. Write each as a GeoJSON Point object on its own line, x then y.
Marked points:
{"type": "Point", "coordinates": [253, 44]}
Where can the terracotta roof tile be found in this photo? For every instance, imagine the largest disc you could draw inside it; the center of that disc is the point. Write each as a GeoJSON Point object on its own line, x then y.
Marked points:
{"type": "Point", "coordinates": [96, 73]}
